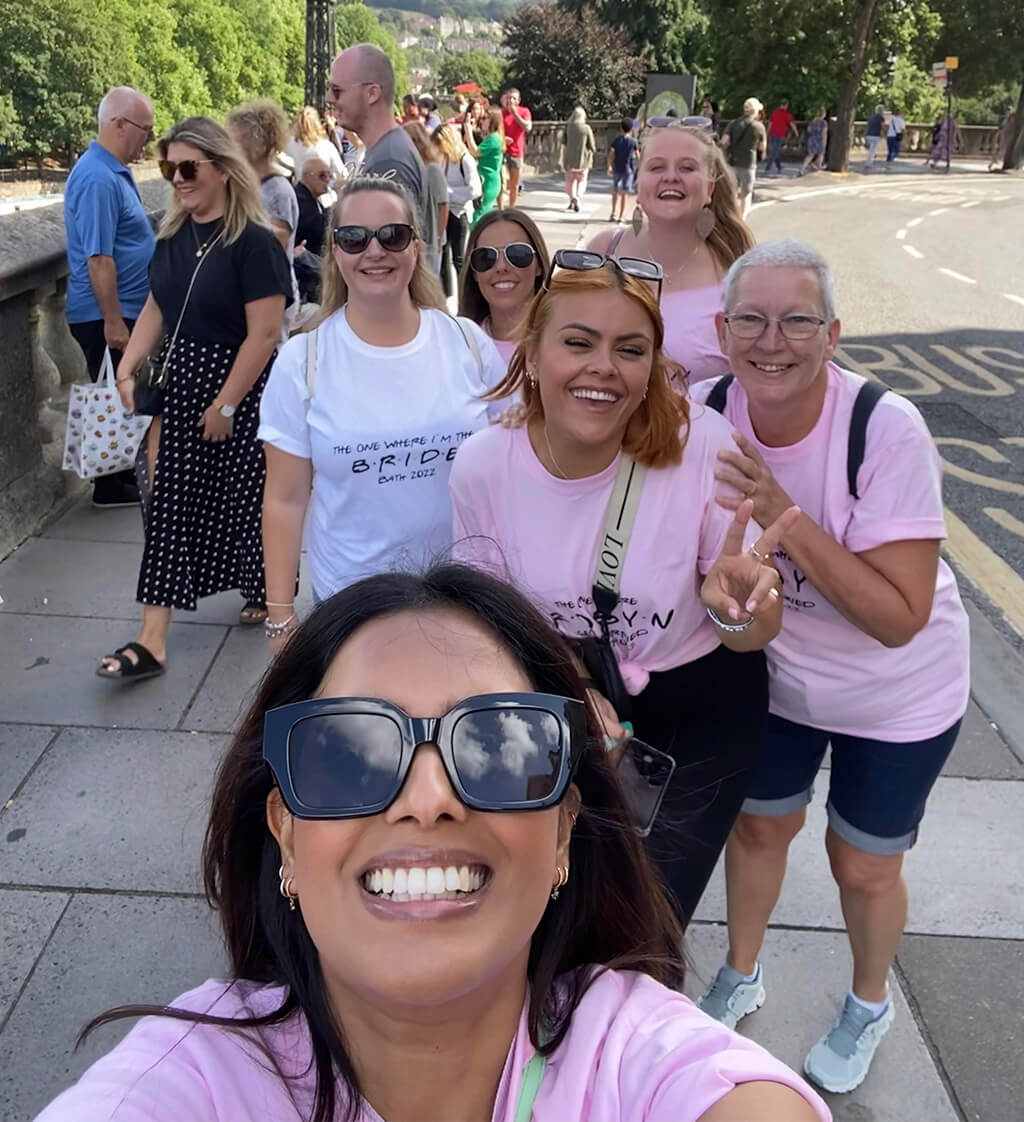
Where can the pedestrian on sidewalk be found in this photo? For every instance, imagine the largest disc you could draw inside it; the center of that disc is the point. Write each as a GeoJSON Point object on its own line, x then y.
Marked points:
{"type": "Point", "coordinates": [508, 261]}
{"type": "Point", "coordinates": [743, 143]}
{"type": "Point", "coordinates": [873, 137]}
{"type": "Point", "coordinates": [362, 92]}
{"type": "Point", "coordinates": [578, 148]}
{"type": "Point", "coordinates": [945, 138]}
{"type": "Point", "coordinates": [622, 168]}
{"type": "Point", "coordinates": [894, 135]}
{"type": "Point", "coordinates": [873, 655]}
{"type": "Point", "coordinates": [491, 154]}
{"type": "Point", "coordinates": [480, 866]}
{"type": "Point", "coordinates": [220, 283]}
{"type": "Point", "coordinates": [517, 122]}
{"type": "Point", "coordinates": [464, 186]}
{"type": "Point", "coordinates": [110, 244]}
{"type": "Point", "coordinates": [361, 418]}
{"type": "Point", "coordinates": [260, 129]}
{"type": "Point", "coordinates": [531, 501]}
{"type": "Point", "coordinates": [311, 231]}
{"type": "Point", "coordinates": [687, 219]}
{"type": "Point", "coordinates": [817, 139]}
{"type": "Point", "coordinates": [436, 210]}
{"type": "Point", "coordinates": [781, 126]}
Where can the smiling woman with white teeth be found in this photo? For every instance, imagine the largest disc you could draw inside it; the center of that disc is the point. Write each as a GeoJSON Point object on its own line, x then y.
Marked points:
{"type": "Point", "coordinates": [687, 219]}
{"type": "Point", "coordinates": [506, 260]}
{"type": "Point", "coordinates": [685, 610]}
{"type": "Point", "coordinates": [362, 416]}
{"type": "Point", "coordinates": [432, 901]}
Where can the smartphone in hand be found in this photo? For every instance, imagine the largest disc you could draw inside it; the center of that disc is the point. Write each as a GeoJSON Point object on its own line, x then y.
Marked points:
{"type": "Point", "coordinates": [644, 773]}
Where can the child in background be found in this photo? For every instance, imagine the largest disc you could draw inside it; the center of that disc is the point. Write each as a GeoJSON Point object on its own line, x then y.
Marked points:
{"type": "Point", "coordinates": [622, 168]}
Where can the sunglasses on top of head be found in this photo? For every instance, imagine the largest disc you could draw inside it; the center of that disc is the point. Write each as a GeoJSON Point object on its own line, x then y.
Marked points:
{"type": "Point", "coordinates": [393, 237]}
{"type": "Point", "coordinates": [583, 260]}
{"type": "Point", "coordinates": [519, 255]}
{"type": "Point", "coordinates": [189, 169]}
{"type": "Point", "coordinates": [348, 757]}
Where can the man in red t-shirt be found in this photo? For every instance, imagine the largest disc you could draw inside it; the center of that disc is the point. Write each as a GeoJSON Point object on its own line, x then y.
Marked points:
{"type": "Point", "coordinates": [517, 121]}
{"type": "Point", "coordinates": [780, 125]}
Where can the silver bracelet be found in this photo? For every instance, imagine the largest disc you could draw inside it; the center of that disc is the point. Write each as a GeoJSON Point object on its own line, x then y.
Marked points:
{"type": "Point", "coordinates": [732, 627]}
{"type": "Point", "coordinates": [275, 630]}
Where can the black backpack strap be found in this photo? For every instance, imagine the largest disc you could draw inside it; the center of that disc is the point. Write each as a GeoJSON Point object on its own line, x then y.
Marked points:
{"type": "Point", "coordinates": [870, 394]}
{"type": "Point", "coordinates": [716, 399]}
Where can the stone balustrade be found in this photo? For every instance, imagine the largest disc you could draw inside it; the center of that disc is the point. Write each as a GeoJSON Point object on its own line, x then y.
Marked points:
{"type": "Point", "coordinates": [38, 361]}
{"type": "Point", "coordinates": [544, 143]}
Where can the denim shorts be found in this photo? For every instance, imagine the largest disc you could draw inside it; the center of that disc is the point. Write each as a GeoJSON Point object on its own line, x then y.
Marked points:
{"type": "Point", "coordinates": [623, 182]}
{"type": "Point", "coordinates": [877, 788]}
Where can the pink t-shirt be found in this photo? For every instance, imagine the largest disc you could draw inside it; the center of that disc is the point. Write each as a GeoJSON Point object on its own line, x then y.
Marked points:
{"type": "Point", "coordinates": [690, 335]}
{"type": "Point", "coordinates": [636, 1051]}
{"type": "Point", "coordinates": [505, 347]}
{"type": "Point", "coordinates": [517, 520]}
{"type": "Point", "coordinates": [824, 671]}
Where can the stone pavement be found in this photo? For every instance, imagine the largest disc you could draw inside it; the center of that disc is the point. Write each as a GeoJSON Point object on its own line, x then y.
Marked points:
{"type": "Point", "coordinates": [104, 791]}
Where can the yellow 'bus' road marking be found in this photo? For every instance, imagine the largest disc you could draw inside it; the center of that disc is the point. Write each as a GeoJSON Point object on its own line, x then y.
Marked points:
{"type": "Point", "coordinates": [986, 570]}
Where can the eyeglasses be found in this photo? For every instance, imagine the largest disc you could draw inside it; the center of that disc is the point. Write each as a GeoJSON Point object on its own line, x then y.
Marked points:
{"type": "Point", "coordinates": [147, 129]}
{"type": "Point", "coordinates": [583, 260]}
{"type": "Point", "coordinates": [348, 757]}
{"type": "Point", "coordinates": [394, 237]}
{"type": "Point", "coordinates": [518, 254]}
{"type": "Point", "coordinates": [751, 325]}
{"type": "Point", "coordinates": [189, 168]}
{"type": "Point", "coordinates": [336, 91]}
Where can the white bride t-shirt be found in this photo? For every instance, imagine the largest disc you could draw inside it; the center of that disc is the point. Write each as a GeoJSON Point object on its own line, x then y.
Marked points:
{"type": "Point", "coordinates": [382, 429]}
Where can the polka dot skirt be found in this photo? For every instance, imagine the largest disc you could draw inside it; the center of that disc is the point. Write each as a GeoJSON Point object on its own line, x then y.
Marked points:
{"type": "Point", "coordinates": [203, 516]}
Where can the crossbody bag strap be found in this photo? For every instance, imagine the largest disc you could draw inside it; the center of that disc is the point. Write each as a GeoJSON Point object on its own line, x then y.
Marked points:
{"type": "Point", "coordinates": [188, 294]}
{"type": "Point", "coordinates": [311, 361]}
{"type": "Point", "coordinates": [618, 526]}
{"type": "Point", "coordinates": [474, 350]}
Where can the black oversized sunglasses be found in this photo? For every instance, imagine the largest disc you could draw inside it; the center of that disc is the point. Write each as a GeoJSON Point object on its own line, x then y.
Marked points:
{"type": "Point", "coordinates": [189, 168]}
{"type": "Point", "coordinates": [518, 254]}
{"type": "Point", "coordinates": [347, 757]}
{"type": "Point", "coordinates": [583, 260]}
{"type": "Point", "coordinates": [394, 237]}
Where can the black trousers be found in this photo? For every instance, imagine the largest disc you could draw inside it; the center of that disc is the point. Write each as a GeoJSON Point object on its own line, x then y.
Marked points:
{"type": "Point", "coordinates": [89, 336]}
{"type": "Point", "coordinates": [709, 715]}
{"type": "Point", "coordinates": [455, 249]}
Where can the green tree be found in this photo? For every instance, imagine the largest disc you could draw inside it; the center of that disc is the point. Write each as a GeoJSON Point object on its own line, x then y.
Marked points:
{"type": "Point", "coordinates": [666, 33]}
{"type": "Point", "coordinates": [11, 136]}
{"type": "Point", "coordinates": [356, 23]}
{"type": "Point", "coordinates": [559, 60]}
{"type": "Point", "coordinates": [487, 70]}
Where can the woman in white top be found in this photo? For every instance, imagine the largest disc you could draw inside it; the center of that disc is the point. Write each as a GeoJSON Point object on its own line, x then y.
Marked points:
{"type": "Point", "coordinates": [506, 262]}
{"type": "Point", "coordinates": [364, 436]}
{"type": "Point", "coordinates": [309, 138]}
{"type": "Point", "coordinates": [694, 231]}
{"type": "Point", "coordinates": [464, 185]}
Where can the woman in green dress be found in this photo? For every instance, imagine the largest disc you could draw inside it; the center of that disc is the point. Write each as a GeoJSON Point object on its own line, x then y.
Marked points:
{"type": "Point", "coordinates": [492, 155]}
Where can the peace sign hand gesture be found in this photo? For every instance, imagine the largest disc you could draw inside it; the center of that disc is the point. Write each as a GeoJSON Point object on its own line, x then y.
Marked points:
{"type": "Point", "coordinates": [743, 583]}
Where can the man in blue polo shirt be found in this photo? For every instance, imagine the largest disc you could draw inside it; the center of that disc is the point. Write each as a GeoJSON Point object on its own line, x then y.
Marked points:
{"type": "Point", "coordinates": [110, 243]}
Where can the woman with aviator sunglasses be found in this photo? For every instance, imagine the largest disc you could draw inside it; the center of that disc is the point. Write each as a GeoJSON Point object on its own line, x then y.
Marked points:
{"type": "Point", "coordinates": [362, 418]}
{"type": "Point", "coordinates": [507, 261]}
{"type": "Point", "coordinates": [690, 609]}
{"type": "Point", "coordinates": [413, 828]}
{"type": "Point", "coordinates": [219, 283]}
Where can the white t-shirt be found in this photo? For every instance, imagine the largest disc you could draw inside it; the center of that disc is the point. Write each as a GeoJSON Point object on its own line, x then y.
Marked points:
{"type": "Point", "coordinates": [896, 125]}
{"type": "Point", "coordinates": [825, 672]}
{"type": "Point", "coordinates": [382, 430]}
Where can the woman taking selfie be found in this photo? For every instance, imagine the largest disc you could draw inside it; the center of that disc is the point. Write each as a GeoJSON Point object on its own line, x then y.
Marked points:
{"type": "Point", "coordinates": [507, 262]}
{"type": "Point", "coordinates": [219, 284]}
{"type": "Point", "coordinates": [687, 219]}
{"type": "Point", "coordinates": [362, 417]}
{"type": "Point", "coordinates": [690, 609]}
{"type": "Point", "coordinates": [452, 852]}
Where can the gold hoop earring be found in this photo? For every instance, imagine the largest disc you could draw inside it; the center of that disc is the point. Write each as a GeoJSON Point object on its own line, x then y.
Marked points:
{"type": "Point", "coordinates": [563, 880]}
{"type": "Point", "coordinates": [287, 888]}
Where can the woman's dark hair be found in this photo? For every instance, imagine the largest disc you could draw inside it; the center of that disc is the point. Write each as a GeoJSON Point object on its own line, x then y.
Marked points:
{"type": "Point", "coordinates": [612, 913]}
{"type": "Point", "coordinates": [471, 299]}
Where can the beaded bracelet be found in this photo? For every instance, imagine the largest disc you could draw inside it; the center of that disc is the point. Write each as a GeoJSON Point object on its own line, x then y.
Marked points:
{"type": "Point", "coordinates": [276, 630]}
{"type": "Point", "coordinates": [713, 616]}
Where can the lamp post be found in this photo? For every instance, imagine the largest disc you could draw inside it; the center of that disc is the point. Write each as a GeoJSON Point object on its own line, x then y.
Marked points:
{"type": "Point", "coordinates": [319, 49]}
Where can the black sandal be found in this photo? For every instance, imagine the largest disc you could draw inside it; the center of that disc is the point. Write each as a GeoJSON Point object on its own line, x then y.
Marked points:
{"type": "Point", "coordinates": [129, 671]}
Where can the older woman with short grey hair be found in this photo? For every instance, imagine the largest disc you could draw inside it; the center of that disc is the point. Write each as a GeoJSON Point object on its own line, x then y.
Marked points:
{"type": "Point", "coordinates": [873, 652]}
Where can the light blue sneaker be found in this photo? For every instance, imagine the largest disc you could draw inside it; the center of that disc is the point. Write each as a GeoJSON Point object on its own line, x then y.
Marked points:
{"type": "Point", "coordinates": [730, 997]}
{"type": "Point", "coordinates": [840, 1061]}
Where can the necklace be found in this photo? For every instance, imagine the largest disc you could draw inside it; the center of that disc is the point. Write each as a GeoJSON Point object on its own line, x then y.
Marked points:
{"type": "Point", "coordinates": [686, 260]}
{"type": "Point", "coordinates": [551, 455]}
{"type": "Point", "coordinates": [201, 249]}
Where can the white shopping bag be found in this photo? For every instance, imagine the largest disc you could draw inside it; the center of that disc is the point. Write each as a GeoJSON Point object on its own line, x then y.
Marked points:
{"type": "Point", "coordinates": [100, 437]}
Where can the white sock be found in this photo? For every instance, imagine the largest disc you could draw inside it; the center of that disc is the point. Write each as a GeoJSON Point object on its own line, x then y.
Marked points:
{"type": "Point", "coordinates": [750, 977]}
{"type": "Point", "coordinates": [876, 1007]}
